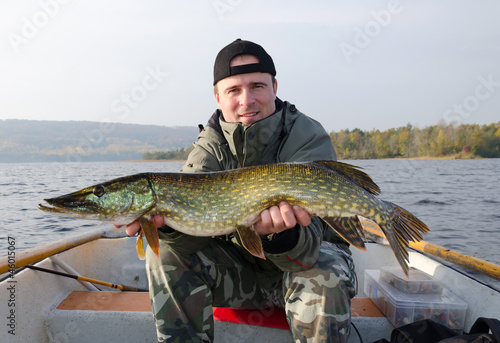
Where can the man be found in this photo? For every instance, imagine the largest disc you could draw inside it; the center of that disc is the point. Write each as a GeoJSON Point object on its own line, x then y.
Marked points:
{"type": "Point", "coordinates": [308, 270]}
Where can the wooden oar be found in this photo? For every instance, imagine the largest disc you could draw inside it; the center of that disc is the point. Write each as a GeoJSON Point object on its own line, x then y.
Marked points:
{"type": "Point", "coordinates": [472, 263]}
{"type": "Point", "coordinates": [83, 278]}
{"type": "Point", "coordinates": [38, 253]}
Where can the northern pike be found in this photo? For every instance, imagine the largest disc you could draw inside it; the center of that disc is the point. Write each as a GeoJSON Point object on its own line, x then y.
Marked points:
{"type": "Point", "coordinates": [219, 203]}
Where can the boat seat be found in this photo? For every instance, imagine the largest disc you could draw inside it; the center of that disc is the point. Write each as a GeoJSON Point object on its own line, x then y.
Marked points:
{"type": "Point", "coordinates": [139, 301]}
{"type": "Point", "coordinates": [102, 306]}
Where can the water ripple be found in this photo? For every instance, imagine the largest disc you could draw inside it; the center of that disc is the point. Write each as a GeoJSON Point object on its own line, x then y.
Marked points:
{"type": "Point", "coordinates": [431, 202]}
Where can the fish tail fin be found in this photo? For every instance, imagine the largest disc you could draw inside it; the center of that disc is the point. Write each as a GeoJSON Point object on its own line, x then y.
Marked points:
{"type": "Point", "coordinates": [402, 228]}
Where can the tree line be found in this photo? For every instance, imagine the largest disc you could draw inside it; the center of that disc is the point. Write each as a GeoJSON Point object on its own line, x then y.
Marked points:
{"type": "Point", "coordinates": [179, 154]}
{"type": "Point", "coordinates": [463, 141]}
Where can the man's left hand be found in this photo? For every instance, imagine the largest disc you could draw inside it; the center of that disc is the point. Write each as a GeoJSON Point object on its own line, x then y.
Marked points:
{"type": "Point", "coordinates": [280, 218]}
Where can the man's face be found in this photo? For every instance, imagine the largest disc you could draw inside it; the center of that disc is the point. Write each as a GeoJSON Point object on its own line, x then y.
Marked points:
{"type": "Point", "coordinates": [246, 98]}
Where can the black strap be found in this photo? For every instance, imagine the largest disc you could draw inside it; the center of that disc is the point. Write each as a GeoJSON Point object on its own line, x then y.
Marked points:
{"type": "Point", "coordinates": [484, 325]}
{"type": "Point", "coordinates": [421, 331]}
{"type": "Point", "coordinates": [428, 331]}
{"type": "Point", "coordinates": [247, 68]}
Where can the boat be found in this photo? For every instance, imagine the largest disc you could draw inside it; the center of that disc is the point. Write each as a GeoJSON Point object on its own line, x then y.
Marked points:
{"type": "Point", "coordinates": [40, 307]}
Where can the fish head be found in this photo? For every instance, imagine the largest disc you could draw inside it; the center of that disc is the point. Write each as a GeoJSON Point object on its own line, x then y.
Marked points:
{"type": "Point", "coordinates": [119, 201]}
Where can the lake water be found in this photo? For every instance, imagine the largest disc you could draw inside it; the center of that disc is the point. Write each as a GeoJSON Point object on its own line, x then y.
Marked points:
{"type": "Point", "coordinates": [458, 199]}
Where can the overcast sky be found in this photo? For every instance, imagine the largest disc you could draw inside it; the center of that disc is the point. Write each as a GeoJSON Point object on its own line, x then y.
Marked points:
{"type": "Point", "coordinates": [348, 64]}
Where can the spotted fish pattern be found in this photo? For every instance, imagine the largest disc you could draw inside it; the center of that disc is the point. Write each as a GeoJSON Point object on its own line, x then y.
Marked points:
{"type": "Point", "coordinates": [218, 203]}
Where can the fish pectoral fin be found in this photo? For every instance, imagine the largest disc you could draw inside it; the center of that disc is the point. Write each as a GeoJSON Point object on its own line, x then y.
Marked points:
{"type": "Point", "coordinates": [348, 228]}
{"type": "Point", "coordinates": [251, 241]}
{"type": "Point", "coordinates": [151, 233]}
{"type": "Point", "coordinates": [139, 246]}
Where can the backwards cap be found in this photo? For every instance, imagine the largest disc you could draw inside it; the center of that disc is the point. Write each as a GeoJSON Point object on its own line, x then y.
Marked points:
{"type": "Point", "coordinates": [222, 69]}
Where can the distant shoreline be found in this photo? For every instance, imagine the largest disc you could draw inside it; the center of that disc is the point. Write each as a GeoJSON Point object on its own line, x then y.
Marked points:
{"type": "Point", "coordinates": [129, 161]}
{"type": "Point", "coordinates": [394, 158]}
{"type": "Point", "coordinates": [451, 157]}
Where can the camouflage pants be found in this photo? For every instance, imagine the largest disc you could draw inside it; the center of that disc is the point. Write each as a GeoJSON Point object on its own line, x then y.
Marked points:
{"type": "Point", "coordinates": [183, 290]}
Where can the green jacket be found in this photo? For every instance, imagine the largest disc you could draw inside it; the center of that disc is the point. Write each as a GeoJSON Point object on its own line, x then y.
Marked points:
{"type": "Point", "coordinates": [286, 136]}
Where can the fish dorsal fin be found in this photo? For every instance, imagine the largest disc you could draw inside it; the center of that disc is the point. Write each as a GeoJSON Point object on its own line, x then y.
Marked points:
{"type": "Point", "coordinates": [352, 173]}
{"type": "Point", "coordinates": [349, 229]}
{"type": "Point", "coordinates": [251, 241]}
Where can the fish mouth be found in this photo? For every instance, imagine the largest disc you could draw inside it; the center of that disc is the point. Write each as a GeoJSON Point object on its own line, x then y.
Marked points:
{"type": "Point", "coordinates": [55, 205]}
{"type": "Point", "coordinates": [55, 209]}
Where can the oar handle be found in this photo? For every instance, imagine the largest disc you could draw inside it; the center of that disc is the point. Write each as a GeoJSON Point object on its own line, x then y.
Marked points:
{"type": "Point", "coordinates": [38, 253]}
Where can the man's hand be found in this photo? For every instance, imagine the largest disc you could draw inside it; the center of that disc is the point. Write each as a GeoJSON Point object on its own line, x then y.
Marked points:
{"type": "Point", "coordinates": [132, 228]}
{"type": "Point", "coordinates": [280, 218]}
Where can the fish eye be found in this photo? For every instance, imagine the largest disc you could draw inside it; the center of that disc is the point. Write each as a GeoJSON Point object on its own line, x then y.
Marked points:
{"type": "Point", "coordinates": [98, 191]}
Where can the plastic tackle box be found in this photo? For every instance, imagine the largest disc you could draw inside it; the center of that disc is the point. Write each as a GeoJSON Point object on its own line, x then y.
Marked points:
{"type": "Point", "coordinates": [403, 308]}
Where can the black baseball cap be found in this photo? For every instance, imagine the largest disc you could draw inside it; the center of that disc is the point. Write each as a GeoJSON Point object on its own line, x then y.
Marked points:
{"type": "Point", "coordinates": [240, 47]}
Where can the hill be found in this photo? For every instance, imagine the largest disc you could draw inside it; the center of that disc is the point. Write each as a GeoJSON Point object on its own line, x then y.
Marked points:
{"type": "Point", "coordinates": [75, 141]}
